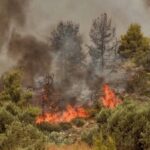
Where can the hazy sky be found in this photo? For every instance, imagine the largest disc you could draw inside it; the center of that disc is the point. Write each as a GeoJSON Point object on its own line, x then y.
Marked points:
{"type": "Point", "coordinates": [44, 14]}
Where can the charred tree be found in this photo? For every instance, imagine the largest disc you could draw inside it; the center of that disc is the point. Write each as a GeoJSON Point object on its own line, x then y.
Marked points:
{"type": "Point", "coordinates": [48, 90]}
{"type": "Point", "coordinates": [102, 35]}
{"type": "Point", "coordinates": [66, 43]}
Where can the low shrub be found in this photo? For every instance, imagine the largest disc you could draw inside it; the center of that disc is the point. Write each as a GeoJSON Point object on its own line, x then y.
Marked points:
{"type": "Point", "coordinates": [102, 142]}
{"type": "Point", "coordinates": [127, 123]}
{"type": "Point", "coordinates": [88, 135]}
{"type": "Point", "coordinates": [29, 114]}
{"type": "Point", "coordinates": [47, 127]}
{"type": "Point", "coordinates": [21, 136]}
{"type": "Point", "coordinates": [78, 122]}
{"type": "Point", "coordinates": [60, 138]}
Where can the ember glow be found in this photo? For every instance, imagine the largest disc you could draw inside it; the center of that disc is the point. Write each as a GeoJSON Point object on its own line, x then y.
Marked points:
{"type": "Point", "coordinates": [110, 99]}
{"type": "Point", "coordinates": [66, 116]}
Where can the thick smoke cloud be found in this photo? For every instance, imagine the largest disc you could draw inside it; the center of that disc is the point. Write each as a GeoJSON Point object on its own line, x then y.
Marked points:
{"type": "Point", "coordinates": [147, 2]}
{"type": "Point", "coordinates": [33, 56]}
{"type": "Point", "coordinates": [12, 16]}
{"type": "Point", "coordinates": [46, 13]}
{"type": "Point", "coordinates": [11, 12]}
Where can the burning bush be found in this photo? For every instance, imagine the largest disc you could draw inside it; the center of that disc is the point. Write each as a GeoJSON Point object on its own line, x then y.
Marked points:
{"type": "Point", "coordinates": [66, 116]}
{"type": "Point", "coordinates": [110, 100]}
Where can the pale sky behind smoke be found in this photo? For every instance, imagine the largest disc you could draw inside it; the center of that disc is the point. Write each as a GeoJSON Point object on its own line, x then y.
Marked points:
{"type": "Point", "coordinates": [43, 15]}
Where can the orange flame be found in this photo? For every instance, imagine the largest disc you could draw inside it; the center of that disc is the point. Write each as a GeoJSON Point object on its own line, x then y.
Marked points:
{"type": "Point", "coordinates": [66, 116]}
{"type": "Point", "coordinates": [110, 99]}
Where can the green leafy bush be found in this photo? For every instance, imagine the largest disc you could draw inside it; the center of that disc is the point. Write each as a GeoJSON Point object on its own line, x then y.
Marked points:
{"type": "Point", "coordinates": [65, 126]}
{"type": "Point", "coordinates": [127, 123]}
{"type": "Point", "coordinates": [13, 108]}
{"type": "Point", "coordinates": [47, 127]}
{"type": "Point", "coordinates": [78, 122]}
{"type": "Point", "coordinates": [104, 143]}
{"type": "Point", "coordinates": [60, 138]}
{"type": "Point", "coordinates": [29, 114]}
{"type": "Point", "coordinates": [21, 136]}
{"type": "Point", "coordinates": [6, 118]}
{"type": "Point", "coordinates": [88, 135]}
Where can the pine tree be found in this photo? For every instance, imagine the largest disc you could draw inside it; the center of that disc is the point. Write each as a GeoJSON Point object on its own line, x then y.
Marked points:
{"type": "Point", "coordinates": [102, 34]}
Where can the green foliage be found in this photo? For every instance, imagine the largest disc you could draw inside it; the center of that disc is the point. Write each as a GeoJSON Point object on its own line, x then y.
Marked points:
{"type": "Point", "coordinates": [132, 41]}
{"type": "Point", "coordinates": [104, 143]}
{"type": "Point", "coordinates": [5, 119]}
{"type": "Point", "coordinates": [139, 84]}
{"type": "Point", "coordinates": [12, 88]}
{"type": "Point", "coordinates": [13, 108]}
{"type": "Point", "coordinates": [135, 46]}
{"type": "Point", "coordinates": [47, 127]}
{"type": "Point", "coordinates": [29, 114]}
{"type": "Point", "coordinates": [60, 138]}
{"type": "Point", "coordinates": [88, 135]}
{"type": "Point", "coordinates": [16, 131]}
{"type": "Point", "coordinates": [146, 136]}
{"type": "Point", "coordinates": [21, 136]}
{"type": "Point", "coordinates": [65, 126]}
{"type": "Point", "coordinates": [127, 124]}
{"type": "Point", "coordinates": [103, 115]}
{"type": "Point", "coordinates": [78, 122]}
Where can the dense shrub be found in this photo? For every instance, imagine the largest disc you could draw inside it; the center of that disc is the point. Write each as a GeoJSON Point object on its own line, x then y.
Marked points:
{"type": "Point", "coordinates": [47, 127]}
{"type": "Point", "coordinates": [12, 108]}
{"type": "Point", "coordinates": [104, 143]}
{"type": "Point", "coordinates": [127, 123]}
{"type": "Point", "coordinates": [61, 138]}
{"type": "Point", "coordinates": [29, 114]}
{"type": "Point", "coordinates": [5, 119]}
{"type": "Point", "coordinates": [65, 126]}
{"type": "Point", "coordinates": [103, 116]}
{"type": "Point", "coordinates": [20, 136]}
{"type": "Point", "coordinates": [78, 122]}
{"type": "Point", "coordinates": [88, 135]}
{"type": "Point", "coordinates": [139, 84]}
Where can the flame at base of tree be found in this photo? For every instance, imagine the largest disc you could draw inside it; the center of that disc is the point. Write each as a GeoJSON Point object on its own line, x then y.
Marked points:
{"type": "Point", "coordinates": [66, 116]}
{"type": "Point", "coordinates": [110, 100]}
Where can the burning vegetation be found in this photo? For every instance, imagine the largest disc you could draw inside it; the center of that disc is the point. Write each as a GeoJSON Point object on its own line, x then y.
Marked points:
{"type": "Point", "coordinates": [63, 90]}
{"type": "Point", "coordinates": [110, 99]}
{"type": "Point", "coordinates": [66, 116]}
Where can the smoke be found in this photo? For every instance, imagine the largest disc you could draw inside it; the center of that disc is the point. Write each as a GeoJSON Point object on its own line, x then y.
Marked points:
{"type": "Point", "coordinates": [32, 56]}
{"type": "Point", "coordinates": [147, 2]}
{"type": "Point", "coordinates": [46, 13]}
{"type": "Point", "coordinates": [11, 12]}
{"type": "Point", "coordinates": [68, 55]}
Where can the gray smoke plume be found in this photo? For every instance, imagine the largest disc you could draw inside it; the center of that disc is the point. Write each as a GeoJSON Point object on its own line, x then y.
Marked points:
{"type": "Point", "coordinates": [11, 12]}
{"type": "Point", "coordinates": [68, 62]}
{"type": "Point", "coordinates": [46, 13]}
{"type": "Point", "coordinates": [12, 17]}
{"type": "Point", "coordinates": [32, 56]}
{"type": "Point", "coordinates": [147, 2]}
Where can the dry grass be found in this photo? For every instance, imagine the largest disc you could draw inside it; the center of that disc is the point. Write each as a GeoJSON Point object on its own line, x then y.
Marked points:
{"type": "Point", "coordinates": [77, 146]}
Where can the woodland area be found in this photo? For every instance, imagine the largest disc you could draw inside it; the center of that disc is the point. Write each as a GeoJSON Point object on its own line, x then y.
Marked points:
{"type": "Point", "coordinates": [123, 63]}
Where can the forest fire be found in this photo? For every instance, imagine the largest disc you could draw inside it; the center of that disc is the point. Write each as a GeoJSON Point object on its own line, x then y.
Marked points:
{"type": "Point", "coordinates": [69, 114]}
{"type": "Point", "coordinates": [110, 100]}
